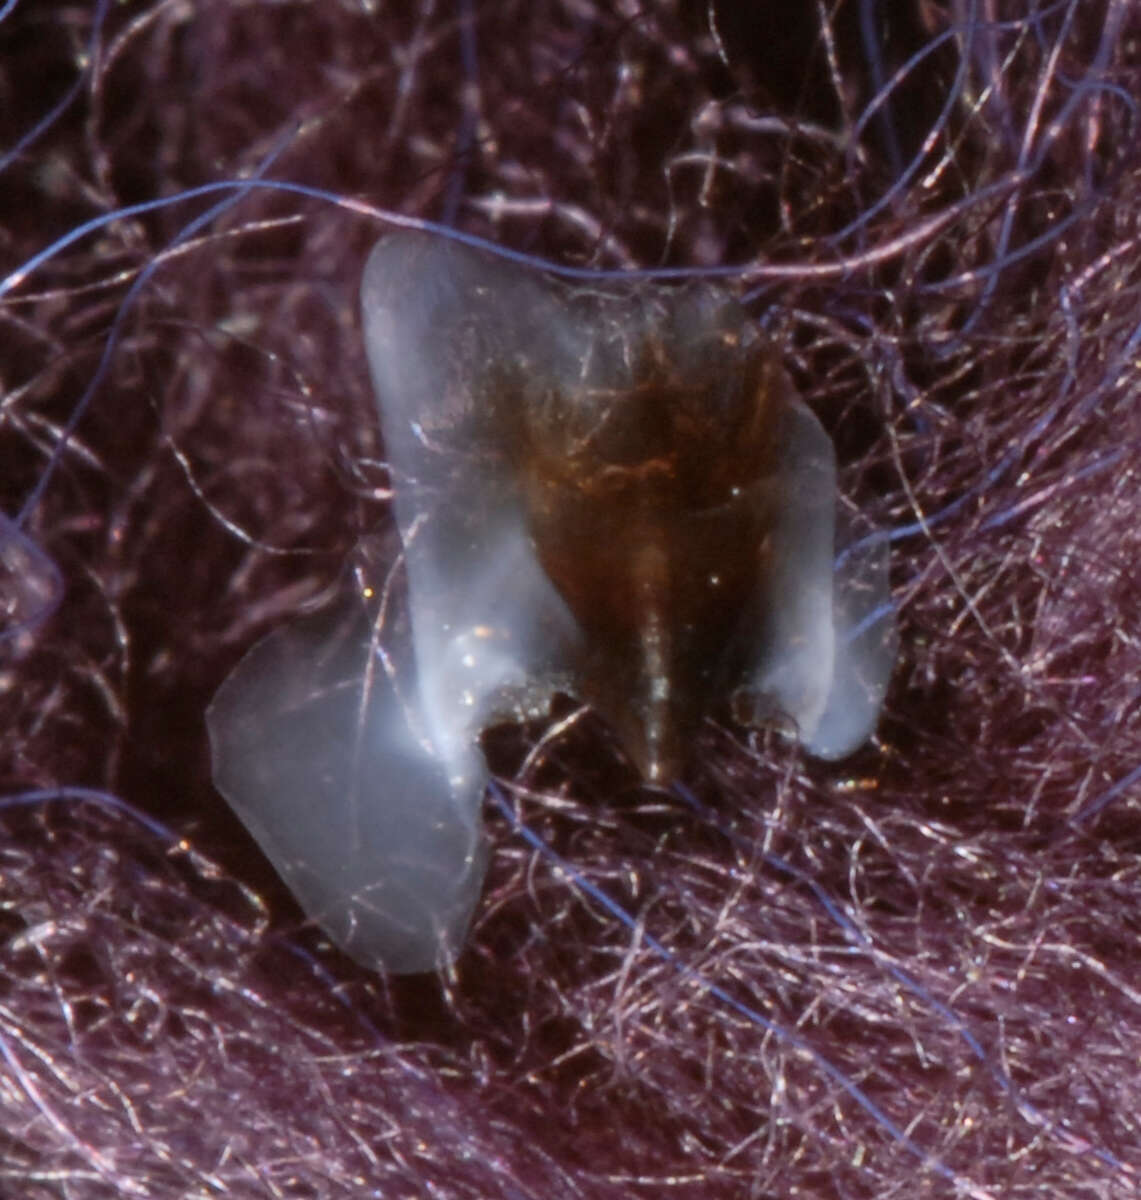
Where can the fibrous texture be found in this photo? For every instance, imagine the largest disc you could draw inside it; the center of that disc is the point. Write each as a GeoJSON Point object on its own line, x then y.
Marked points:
{"type": "Point", "coordinates": [912, 973]}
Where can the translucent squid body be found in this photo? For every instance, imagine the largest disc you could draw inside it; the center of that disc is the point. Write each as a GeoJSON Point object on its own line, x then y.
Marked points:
{"type": "Point", "coordinates": [604, 490]}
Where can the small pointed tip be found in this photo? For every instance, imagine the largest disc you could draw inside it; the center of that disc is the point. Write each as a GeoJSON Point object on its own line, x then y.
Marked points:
{"type": "Point", "coordinates": [656, 758]}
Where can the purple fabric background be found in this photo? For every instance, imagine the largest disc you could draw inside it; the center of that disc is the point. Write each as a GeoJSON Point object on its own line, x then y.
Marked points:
{"type": "Point", "coordinates": [915, 973]}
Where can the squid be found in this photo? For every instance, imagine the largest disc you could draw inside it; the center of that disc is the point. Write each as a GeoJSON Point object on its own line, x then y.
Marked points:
{"type": "Point", "coordinates": [606, 490]}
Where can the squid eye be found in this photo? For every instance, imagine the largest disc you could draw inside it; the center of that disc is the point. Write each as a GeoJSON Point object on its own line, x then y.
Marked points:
{"type": "Point", "coordinates": [609, 491]}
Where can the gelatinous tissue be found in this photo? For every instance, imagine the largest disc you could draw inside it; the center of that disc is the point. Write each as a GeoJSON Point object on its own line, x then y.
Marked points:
{"type": "Point", "coordinates": [30, 588]}
{"type": "Point", "coordinates": [607, 490]}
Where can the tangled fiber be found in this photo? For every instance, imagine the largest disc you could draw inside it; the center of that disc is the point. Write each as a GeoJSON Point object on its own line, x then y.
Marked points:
{"type": "Point", "coordinates": [914, 973]}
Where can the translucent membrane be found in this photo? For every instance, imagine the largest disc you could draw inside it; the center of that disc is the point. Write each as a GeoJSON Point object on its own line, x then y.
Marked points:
{"type": "Point", "coordinates": [609, 491]}
{"type": "Point", "coordinates": [375, 836]}
{"type": "Point", "coordinates": [30, 586]}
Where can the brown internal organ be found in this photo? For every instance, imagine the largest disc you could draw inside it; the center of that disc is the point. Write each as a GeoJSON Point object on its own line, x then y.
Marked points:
{"type": "Point", "coordinates": [665, 438]}
{"type": "Point", "coordinates": [658, 587]}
